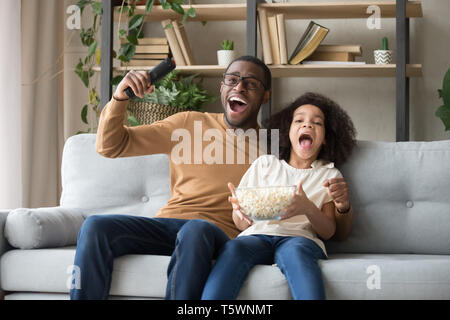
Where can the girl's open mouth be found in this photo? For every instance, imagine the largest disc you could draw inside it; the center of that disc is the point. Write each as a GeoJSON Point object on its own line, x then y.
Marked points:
{"type": "Point", "coordinates": [305, 141]}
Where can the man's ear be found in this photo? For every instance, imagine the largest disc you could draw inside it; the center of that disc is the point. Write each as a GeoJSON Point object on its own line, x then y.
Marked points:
{"type": "Point", "coordinates": [266, 96]}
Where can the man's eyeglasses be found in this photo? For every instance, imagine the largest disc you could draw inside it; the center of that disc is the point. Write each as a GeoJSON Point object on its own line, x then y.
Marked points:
{"type": "Point", "coordinates": [249, 83]}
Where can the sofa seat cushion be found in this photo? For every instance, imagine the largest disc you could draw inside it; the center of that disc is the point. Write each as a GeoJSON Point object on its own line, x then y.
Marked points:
{"type": "Point", "coordinates": [346, 276]}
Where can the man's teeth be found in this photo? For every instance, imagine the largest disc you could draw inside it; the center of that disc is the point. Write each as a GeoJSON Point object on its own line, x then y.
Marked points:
{"type": "Point", "coordinates": [237, 99]}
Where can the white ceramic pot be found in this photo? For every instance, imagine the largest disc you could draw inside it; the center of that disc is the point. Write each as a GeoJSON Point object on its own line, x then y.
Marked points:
{"type": "Point", "coordinates": [225, 57]}
{"type": "Point", "coordinates": [383, 56]}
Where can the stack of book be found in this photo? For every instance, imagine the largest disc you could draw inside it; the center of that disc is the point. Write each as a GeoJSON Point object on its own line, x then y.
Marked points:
{"type": "Point", "coordinates": [309, 42]}
{"type": "Point", "coordinates": [178, 42]}
{"type": "Point", "coordinates": [273, 38]}
{"type": "Point", "coordinates": [335, 54]}
{"type": "Point", "coordinates": [149, 52]}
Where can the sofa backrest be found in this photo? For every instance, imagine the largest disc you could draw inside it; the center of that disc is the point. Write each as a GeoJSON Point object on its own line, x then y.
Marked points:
{"type": "Point", "coordinates": [98, 185]}
{"type": "Point", "coordinates": [400, 192]}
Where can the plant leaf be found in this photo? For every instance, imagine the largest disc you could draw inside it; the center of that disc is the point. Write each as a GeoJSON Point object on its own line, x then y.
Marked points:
{"type": "Point", "coordinates": [97, 8]}
{"type": "Point", "coordinates": [445, 92]}
{"type": "Point", "coordinates": [191, 12]}
{"type": "Point", "coordinates": [84, 114]}
{"type": "Point", "coordinates": [149, 6]}
{"type": "Point", "coordinates": [133, 121]}
{"type": "Point", "coordinates": [443, 112]}
{"type": "Point", "coordinates": [177, 8]}
{"type": "Point", "coordinates": [92, 48]}
{"type": "Point", "coordinates": [116, 80]}
{"type": "Point", "coordinates": [135, 22]}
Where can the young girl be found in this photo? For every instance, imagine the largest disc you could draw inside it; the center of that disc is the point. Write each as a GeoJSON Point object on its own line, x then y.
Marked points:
{"type": "Point", "coordinates": [314, 133]}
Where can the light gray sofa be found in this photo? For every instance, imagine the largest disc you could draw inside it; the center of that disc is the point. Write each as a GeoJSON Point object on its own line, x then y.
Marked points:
{"type": "Point", "coordinates": [399, 247]}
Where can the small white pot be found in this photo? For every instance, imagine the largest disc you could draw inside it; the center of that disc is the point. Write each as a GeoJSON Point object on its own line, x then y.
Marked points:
{"type": "Point", "coordinates": [383, 56]}
{"type": "Point", "coordinates": [225, 57]}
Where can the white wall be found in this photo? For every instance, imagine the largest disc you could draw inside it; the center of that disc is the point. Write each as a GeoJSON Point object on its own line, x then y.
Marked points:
{"type": "Point", "coordinates": [369, 101]}
{"type": "Point", "coordinates": [10, 107]}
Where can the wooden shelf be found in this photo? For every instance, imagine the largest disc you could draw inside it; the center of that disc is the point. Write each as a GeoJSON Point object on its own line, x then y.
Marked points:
{"type": "Point", "coordinates": [299, 10]}
{"type": "Point", "coordinates": [204, 12]}
{"type": "Point", "coordinates": [283, 71]}
{"type": "Point", "coordinates": [337, 10]}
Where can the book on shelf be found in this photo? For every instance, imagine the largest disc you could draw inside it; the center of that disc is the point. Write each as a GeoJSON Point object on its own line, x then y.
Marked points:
{"type": "Point", "coordinates": [274, 43]}
{"type": "Point", "coordinates": [149, 41]}
{"type": "Point", "coordinates": [173, 43]}
{"type": "Point", "coordinates": [160, 49]}
{"type": "Point", "coordinates": [282, 38]}
{"type": "Point", "coordinates": [333, 62]}
{"type": "Point", "coordinates": [309, 41]}
{"type": "Point", "coordinates": [180, 32]}
{"type": "Point", "coordinates": [144, 62]}
{"type": "Point", "coordinates": [330, 52]}
{"type": "Point", "coordinates": [265, 39]}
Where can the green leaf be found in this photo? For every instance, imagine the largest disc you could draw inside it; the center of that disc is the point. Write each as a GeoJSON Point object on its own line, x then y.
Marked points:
{"type": "Point", "coordinates": [116, 80]}
{"type": "Point", "coordinates": [84, 114]}
{"type": "Point", "coordinates": [133, 121]}
{"type": "Point", "coordinates": [97, 8]}
{"type": "Point", "coordinates": [166, 5]}
{"type": "Point", "coordinates": [191, 12]}
{"type": "Point", "coordinates": [92, 48]}
{"type": "Point", "coordinates": [149, 6]}
{"type": "Point", "coordinates": [443, 112]}
{"type": "Point", "coordinates": [136, 21]}
{"type": "Point", "coordinates": [132, 39]}
{"type": "Point", "coordinates": [445, 92]}
{"type": "Point", "coordinates": [177, 8]}
{"type": "Point", "coordinates": [122, 33]}
{"type": "Point", "coordinates": [169, 26]}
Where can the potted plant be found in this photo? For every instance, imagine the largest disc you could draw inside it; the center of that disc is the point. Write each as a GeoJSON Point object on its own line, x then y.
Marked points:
{"type": "Point", "coordinates": [174, 93]}
{"type": "Point", "coordinates": [383, 56]}
{"type": "Point", "coordinates": [129, 36]}
{"type": "Point", "coordinates": [226, 55]}
{"type": "Point", "coordinates": [443, 112]}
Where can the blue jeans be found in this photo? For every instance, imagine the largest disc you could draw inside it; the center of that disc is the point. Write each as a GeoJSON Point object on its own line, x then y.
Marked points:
{"type": "Point", "coordinates": [192, 244]}
{"type": "Point", "coordinates": [297, 258]}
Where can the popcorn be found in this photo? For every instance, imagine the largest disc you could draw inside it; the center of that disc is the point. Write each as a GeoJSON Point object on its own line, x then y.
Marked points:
{"type": "Point", "coordinates": [265, 203]}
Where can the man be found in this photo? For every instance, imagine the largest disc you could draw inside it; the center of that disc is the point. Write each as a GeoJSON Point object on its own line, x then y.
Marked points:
{"type": "Point", "coordinates": [196, 221]}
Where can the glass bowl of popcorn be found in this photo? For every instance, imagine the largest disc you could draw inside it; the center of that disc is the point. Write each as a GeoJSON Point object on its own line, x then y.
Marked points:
{"type": "Point", "coordinates": [265, 203]}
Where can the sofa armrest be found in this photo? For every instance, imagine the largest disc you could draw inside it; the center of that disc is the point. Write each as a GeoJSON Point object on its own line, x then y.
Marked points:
{"type": "Point", "coordinates": [3, 243]}
{"type": "Point", "coordinates": [43, 227]}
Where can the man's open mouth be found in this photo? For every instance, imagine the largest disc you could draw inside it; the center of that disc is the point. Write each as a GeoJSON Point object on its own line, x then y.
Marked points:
{"type": "Point", "coordinates": [237, 104]}
{"type": "Point", "coordinates": [305, 141]}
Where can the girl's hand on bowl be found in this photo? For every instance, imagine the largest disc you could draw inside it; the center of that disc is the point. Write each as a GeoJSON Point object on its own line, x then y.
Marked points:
{"type": "Point", "coordinates": [238, 212]}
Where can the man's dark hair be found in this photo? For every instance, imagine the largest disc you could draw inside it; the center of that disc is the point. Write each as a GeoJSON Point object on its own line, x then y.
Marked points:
{"type": "Point", "coordinates": [339, 130]}
{"type": "Point", "coordinates": [258, 62]}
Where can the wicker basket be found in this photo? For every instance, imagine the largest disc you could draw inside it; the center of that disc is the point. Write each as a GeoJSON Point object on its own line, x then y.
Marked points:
{"type": "Point", "coordinates": [147, 112]}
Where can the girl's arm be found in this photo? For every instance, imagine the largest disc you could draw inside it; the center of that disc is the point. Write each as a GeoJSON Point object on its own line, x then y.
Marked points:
{"type": "Point", "coordinates": [323, 222]}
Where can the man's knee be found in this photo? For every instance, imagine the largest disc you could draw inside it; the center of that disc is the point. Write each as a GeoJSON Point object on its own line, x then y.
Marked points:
{"type": "Point", "coordinates": [200, 232]}
{"type": "Point", "coordinates": [93, 227]}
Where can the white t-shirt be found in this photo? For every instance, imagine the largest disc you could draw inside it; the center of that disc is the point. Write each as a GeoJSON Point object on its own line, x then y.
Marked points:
{"type": "Point", "coordinates": [268, 170]}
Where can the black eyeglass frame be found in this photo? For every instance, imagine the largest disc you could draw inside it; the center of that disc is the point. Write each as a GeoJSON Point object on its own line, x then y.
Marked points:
{"type": "Point", "coordinates": [240, 79]}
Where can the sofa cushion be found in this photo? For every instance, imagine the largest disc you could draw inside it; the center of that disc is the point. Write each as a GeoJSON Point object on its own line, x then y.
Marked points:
{"type": "Point", "coordinates": [346, 276]}
{"type": "Point", "coordinates": [132, 185]}
{"type": "Point", "coordinates": [43, 227]}
{"type": "Point", "coordinates": [400, 195]}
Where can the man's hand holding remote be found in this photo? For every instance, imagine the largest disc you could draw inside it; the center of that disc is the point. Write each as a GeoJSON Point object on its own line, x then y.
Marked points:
{"type": "Point", "coordinates": [138, 81]}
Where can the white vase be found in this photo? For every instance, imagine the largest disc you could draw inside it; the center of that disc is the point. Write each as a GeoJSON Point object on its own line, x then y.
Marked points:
{"type": "Point", "coordinates": [225, 57]}
{"type": "Point", "coordinates": [383, 56]}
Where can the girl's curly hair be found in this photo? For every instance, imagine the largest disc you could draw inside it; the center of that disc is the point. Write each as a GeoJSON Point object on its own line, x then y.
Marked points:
{"type": "Point", "coordinates": [339, 129]}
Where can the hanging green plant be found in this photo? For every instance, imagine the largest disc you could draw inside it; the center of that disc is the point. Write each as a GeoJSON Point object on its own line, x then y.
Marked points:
{"type": "Point", "coordinates": [129, 38]}
{"type": "Point", "coordinates": [443, 112]}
